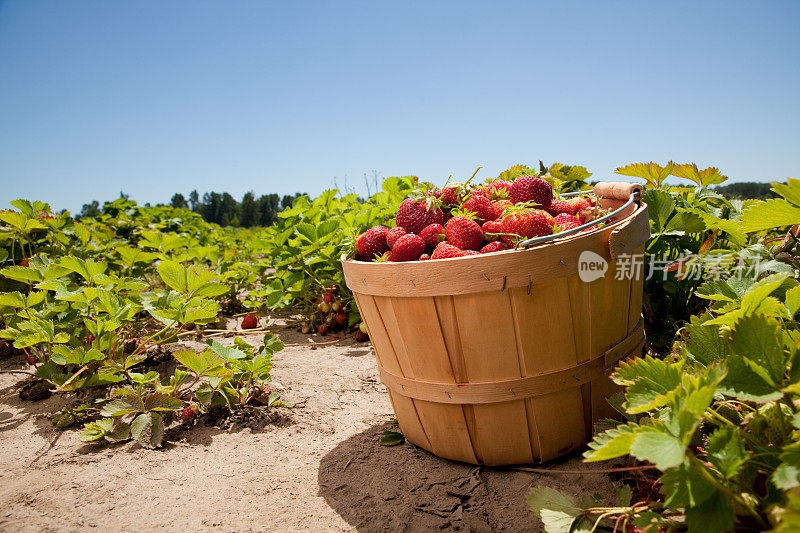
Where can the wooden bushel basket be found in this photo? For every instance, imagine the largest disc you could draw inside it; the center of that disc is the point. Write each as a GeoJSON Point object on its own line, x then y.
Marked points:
{"type": "Point", "coordinates": [504, 358]}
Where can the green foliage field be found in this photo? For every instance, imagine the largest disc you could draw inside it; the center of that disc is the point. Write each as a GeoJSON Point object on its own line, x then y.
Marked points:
{"type": "Point", "coordinates": [712, 412]}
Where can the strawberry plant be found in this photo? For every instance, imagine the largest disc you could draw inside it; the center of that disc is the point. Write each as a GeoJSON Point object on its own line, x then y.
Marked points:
{"type": "Point", "coordinates": [719, 418]}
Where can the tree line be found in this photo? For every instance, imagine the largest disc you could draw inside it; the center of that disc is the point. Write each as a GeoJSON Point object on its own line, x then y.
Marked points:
{"type": "Point", "coordinates": [220, 208]}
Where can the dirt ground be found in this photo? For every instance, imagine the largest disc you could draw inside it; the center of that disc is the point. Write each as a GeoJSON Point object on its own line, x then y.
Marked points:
{"type": "Point", "coordinates": [316, 466]}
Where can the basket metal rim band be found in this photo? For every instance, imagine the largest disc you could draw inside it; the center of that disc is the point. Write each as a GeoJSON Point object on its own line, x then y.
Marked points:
{"type": "Point", "coordinates": [520, 388]}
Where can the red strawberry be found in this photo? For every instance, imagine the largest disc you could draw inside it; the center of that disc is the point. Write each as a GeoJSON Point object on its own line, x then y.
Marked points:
{"type": "Point", "coordinates": [394, 234]}
{"type": "Point", "coordinates": [416, 213]}
{"type": "Point", "coordinates": [188, 414]}
{"type": "Point", "coordinates": [561, 206]}
{"type": "Point", "coordinates": [464, 233]}
{"type": "Point", "coordinates": [445, 250]}
{"type": "Point", "coordinates": [471, 252]}
{"type": "Point", "coordinates": [481, 206]}
{"type": "Point", "coordinates": [491, 226]}
{"type": "Point", "coordinates": [500, 206]}
{"type": "Point", "coordinates": [361, 336]}
{"type": "Point", "coordinates": [500, 188]}
{"type": "Point", "coordinates": [482, 191]}
{"type": "Point", "coordinates": [322, 329]}
{"type": "Point", "coordinates": [566, 221]}
{"type": "Point", "coordinates": [432, 234]}
{"type": "Point", "coordinates": [578, 204]}
{"type": "Point", "coordinates": [424, 257]}
{"type": "Point", "coordinates": [532, 189]}
{"type": "Point", "coordinates": [250, 322]}
{"type": "Point", "coordinates": [327, 297]}
{"type": "Point", "coordinates": [408, 248]}
{"type": "Point", "coordinates": [494, 247]}
{"type": "Point", "coordinates": [342, 319]}
{"type": "Point", "coordinates": [528, 223]}
{"type": "Point", "coordinates": [451, 196]}
{"type": "Point", "coordinates": [372, 242]}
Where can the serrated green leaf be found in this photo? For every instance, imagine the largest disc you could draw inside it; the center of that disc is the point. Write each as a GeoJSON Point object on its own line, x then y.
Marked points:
{"type": "Point", "coordinates": [22, 274]}
{"type": "Point", "coordinates": [148, 430]}
{"type": "Point", "coordinates": [556, 509]}
{"type": "Point", "coordinates": [119, 408]}
{"type": "Point", "coordinates": [714, 515]}
{"type": "Point", "coordinates": [789, 190]}
{"type": "Point", "coordinates": [684, 486]}
{"type": "Point", "coordinates": [651, 172]}
{"type": "Point", "coordinates": [658, 447]}
{"type": "Point", "coordinates": [660, 206]}
{"type": "Point", "coordinates": [745, 382]}
{"type": "Point", "coordinates": [611, 443]}
{"type": "Point", "coordinates": [726, 451]}
{"type": "Point", "coordinates": [158, 401]}
{"type": "Point", "coordinates": [769, 214]}
{"type": "Point", "coordinates": [173, 275]}
{"type": "Point", "coordinates": [759, 339]}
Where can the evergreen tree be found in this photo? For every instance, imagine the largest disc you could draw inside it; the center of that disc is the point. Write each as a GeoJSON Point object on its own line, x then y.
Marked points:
{"type": "Point", "coordinates": [178, 200]}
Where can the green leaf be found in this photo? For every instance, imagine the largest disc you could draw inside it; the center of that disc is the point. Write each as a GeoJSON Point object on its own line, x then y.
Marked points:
{"type": "Point", "coordinates": [173, 274]}
{"type": "Point", "coordinates": [307, 230]}
{"type": "Point", "coordinates": [769, 214]}
{"type": "Point", "coordinates": [687, 222]}
{"type": "Point", "coordinates": [745, 382]}
{"type": "Point", "coordinates": [660, 206]}
{"type": "Point", "coordinates": [684, 486]}
{"type": "Point", "coordinates": [392, 438]}
{"type": "Point", "coordinates": [158, 401]}
{"type": "Point", "coordinates": [23, 274]}
{"type": "Point", "coordinates": [789, 190]}
{"type": "Point", "coordinates": [649, 381]}
{"type": "Point", "coordinates": [759, 339]}
{"type": "Point", "coordinates": [714, 515]}
{"type": "Point", "coordinates": [14, 300]}
{"type": "Point", "coordinates": [704, 343]}
{"type": "Point", "coordinates": [726, 451]}
{"type": "Point", "coordinates": [708, 176]}
{"type": "Point", "coordinates": [793, 300]}
{"type": "Point", "coordinates": [556, 509]}
{"type": "Point", "coordinates": [611, 443]}
{"type": "Point", "coordinates": [658, 447]}
{"type": "Point", "coordinates": [785, 476]}
{"type": "Point", "coordinates": [653, 173]}
{"type": "Point", "coordinates": [119, 407]}
{"type": "Point", "coordinates": [94, 431]}
{"type": "Point", "coordinates": [148, 430]}
{"type": "Point", "coordinates": [226, 352]}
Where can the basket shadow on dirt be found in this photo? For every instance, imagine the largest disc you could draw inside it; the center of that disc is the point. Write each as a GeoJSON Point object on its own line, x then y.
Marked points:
{"type": "Point", "coordinates": [405, 488]}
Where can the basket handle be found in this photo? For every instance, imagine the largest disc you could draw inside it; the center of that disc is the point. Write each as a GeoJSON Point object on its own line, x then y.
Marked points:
{"type": "Point", "coordinates": [617, 190]}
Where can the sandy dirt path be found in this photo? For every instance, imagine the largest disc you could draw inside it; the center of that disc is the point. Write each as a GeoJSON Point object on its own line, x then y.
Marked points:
{"type": "Point", "coordinates": [317, 468]}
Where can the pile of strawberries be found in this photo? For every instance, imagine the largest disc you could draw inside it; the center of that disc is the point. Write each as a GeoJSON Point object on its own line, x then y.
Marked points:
{"type": "Point", "coordinates": [461, 220]}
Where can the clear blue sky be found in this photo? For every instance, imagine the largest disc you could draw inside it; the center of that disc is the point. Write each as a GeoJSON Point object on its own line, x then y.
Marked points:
{"type": "Point", "coordinates": [160, 97]}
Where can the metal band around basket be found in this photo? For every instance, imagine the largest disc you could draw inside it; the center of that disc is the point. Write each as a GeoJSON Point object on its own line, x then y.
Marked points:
{"type": "Point", "coordinates": [516, 389]}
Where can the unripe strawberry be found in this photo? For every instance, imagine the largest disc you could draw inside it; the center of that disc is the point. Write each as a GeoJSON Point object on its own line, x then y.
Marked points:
{"type": "Point", "coordinates": [362, 327]}
{"type": "Point", "coordinates": [250, 322]}
{"type": "Point", "coordinates": [324, 308]}
{"type": "Point", "coordinates": [305, 328]}
{"type": "Point", "coordinates": [335, 306]}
